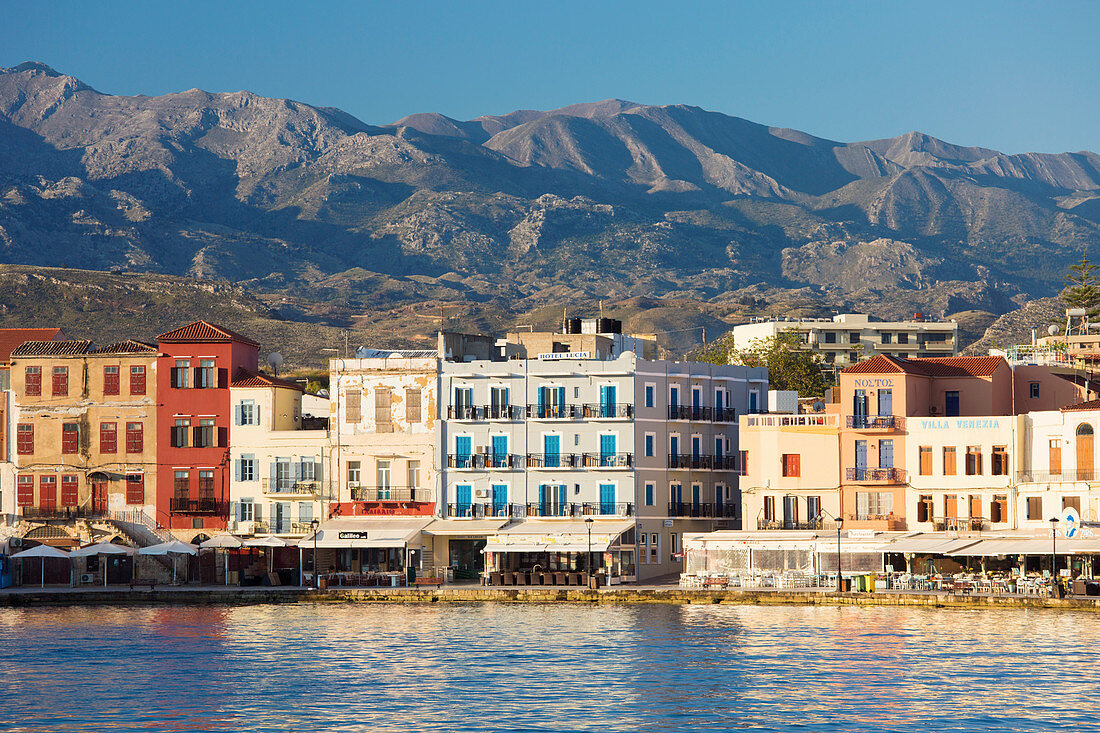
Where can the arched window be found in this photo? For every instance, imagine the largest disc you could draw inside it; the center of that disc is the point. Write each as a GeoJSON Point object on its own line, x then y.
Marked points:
{"type": "Point", "coordinates": [1084, 429]}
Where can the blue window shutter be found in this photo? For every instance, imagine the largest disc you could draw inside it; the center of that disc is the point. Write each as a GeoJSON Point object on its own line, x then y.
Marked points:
{"type": "Point", "coordinates": [274, 472]}
{"type": "Point", "coordinates": [237, 409]}
{"type": "Point", "coordinates": [237, 513]}
{"type": "Point", "coordinates": [561, 396]}
{"type": "Point", "coordinates": [507, 400]}
{"type": "Point", "coordinates": [542, 493]}
{"type": "Point", "coordinates": [542, 398]}
{"type": "Point", "coordinates": [237, 468]}
{"type": "Point", "coordinates": [298, 471]}
{"type": "Point", "coordinates": [258, 512]}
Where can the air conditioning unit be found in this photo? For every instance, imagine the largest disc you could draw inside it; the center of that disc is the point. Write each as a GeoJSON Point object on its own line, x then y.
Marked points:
{"type": "Point", "coordinates": [244, 527]}
{"type": "Point", "coordinates": [353, 484]}
{"type": "Point", "coordinates": [87, 578]}
{"type": "Point", "coordinates": [15, 542]}
{"type": "Point", "coordinates": [481, 493]}
{"type": "Point", "coordinates": [932, 410]}
{"type": "Point", "coordinates": [483, 449]}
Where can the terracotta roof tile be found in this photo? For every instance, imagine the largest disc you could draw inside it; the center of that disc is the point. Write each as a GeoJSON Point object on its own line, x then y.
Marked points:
{"type": "Point", "coordinates": [1090, 405]}
{"type": "Point", "coordinates": [13, 337]}
{"type": "Point", "coordinates": [128, 346]}
{"type": "Point", "coordinates": [940, 366]}
{"type": "Point", "coordinates": [203, 332]}
{"type": "Point", "coordinates": [249, 378]}
{"type": "Point", "coordinates": [53, 348]}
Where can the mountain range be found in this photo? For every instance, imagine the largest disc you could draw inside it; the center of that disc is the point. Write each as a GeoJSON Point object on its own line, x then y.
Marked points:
{"type": "Point", "coordinates": [678, 217]}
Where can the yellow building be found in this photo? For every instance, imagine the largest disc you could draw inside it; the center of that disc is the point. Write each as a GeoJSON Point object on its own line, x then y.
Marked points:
{"type": "Point", "coordinates": [83, 422]}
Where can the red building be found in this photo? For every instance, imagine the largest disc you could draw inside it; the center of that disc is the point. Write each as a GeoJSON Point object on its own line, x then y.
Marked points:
{"type": "Point", "coordinates": [193, 421]}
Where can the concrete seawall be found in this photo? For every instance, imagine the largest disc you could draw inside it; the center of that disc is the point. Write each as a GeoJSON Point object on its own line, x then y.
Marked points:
{"type": "Point", "coordinates": [475, 594]}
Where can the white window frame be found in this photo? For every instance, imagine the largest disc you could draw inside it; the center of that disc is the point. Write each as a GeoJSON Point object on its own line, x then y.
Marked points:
{"type": "Point", "coordinates": [654, 443]}
{"type": "Point", "coordinates": [648, 389]}
{"type": "Point", "coordinates": [649, 493]}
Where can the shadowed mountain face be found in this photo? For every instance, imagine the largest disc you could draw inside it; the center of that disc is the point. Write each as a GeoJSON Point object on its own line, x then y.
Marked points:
{"type": "Point", "coordinates": [608, 200]}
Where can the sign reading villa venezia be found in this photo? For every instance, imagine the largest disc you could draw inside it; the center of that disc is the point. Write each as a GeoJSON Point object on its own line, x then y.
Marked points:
{"type": "Point", "coordinates": [960, 424]}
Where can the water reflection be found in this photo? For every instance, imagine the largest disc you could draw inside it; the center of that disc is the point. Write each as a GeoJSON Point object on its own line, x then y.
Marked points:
{"type": "Point", "coordinates": [551, 667]}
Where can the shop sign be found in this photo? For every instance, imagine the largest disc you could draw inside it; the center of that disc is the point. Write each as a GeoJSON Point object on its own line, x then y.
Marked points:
{"type": "Point", "coordinates": [860, 534]}
{"type": "Point", "coordinates": [352, 535]}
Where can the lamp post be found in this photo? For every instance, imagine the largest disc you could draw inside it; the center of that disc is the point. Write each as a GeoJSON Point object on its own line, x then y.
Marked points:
{"type": "Point", "coordinates": [314, 524]}
{"type": "Point", "coordinates": [1053, 554]}
{"type": "Point", "coordinates": [839, 524]}
{"type": "Point", "coordinates": [588, 525]}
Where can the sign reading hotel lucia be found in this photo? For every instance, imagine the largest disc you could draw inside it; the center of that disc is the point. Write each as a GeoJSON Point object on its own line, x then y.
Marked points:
{"type": "Point", "coordinates": [565, 355]}
{"type": "Point", "coordinates": [960, 423]}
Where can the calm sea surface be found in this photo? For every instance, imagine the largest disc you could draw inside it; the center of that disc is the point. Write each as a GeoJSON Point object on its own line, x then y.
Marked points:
{"type": "Point", "coordinates": [547, 668]}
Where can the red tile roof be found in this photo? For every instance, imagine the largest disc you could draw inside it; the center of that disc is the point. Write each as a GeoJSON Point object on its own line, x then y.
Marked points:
{"type": "Point", "coordinates": [128, 346]}
{"type": "Point", "coordinates": [203, 332]}
{"type": "Point", "coordinates": [940, 366]}
{"type": "Point", "coordinates": [249, 378]}
{"type": "Point", "coordinates": [1090, 405]}
{"type": "Point", "coordinates": [10, 338]}
{"type": "Point", "coordinates": [52, 348]}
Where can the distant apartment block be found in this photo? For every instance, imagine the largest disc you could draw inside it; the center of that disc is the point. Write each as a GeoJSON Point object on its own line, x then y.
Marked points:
{"type": "Point", "coordinates": [849, 338]}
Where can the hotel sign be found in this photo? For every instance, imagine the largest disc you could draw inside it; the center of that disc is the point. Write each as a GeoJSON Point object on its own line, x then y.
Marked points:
{"type": "Point", "coordinates": [873, 382]}
{"type": "Point", "coordinates": [565, 355]}
{"type": "Point", "coordinates": [984, 423]}
{"type": "Point", "coordinates": [352, 535]}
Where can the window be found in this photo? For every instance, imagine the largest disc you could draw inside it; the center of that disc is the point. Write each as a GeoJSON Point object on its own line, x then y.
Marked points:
{"type": "Point", "coordinates": [414, 474]}
{"type": "Point", "coordinates": [204, 375]}
{"type": "Point", "coordinates": [206, 484]}
{"type": "Point", "coordinates": [999, 464]}
{"type": "Point", "coordinates": [25, 491]}
{"type": "Point", "coordinates": [47, 492]}
{"type": "Point", "coordinates": [650, 490]}
{"type": "Point", "coordinates": [654, 549]}
{"type": "Point", "coordinates": [973, 460]}
{"type": "Point", "coordinates": [353, 406]}
{"type": "Point", "coordinates": [903, 338]}
{"type": "Point", "coordinates": [769, 508]}
{"type": "Point", "coordinates": [792, 465]}
{"type": "Point", "coordinates": [853, 356]}
{"type": "Point", "coordinates": [305, 512]}
{"type": "Point", "coordinates": [204, 433]}
{"type": "Point", "coordinates": [830, 337]}
{"type": "Point", "coordinates": [32, 381]}
{"type": "Point", "coordinates": [382, 420]}
{"type": "Point", "coordinates": [110, 380]}
{"type": "Point", "coordinates": [949, 460]}
{"type": "Point", "coordinates": [354, 471]}
{"type": "Point", "coordinates": [649, 391]}
{"type": "Point", "coordinates": [179, 432]}
{"type": "Point", "coordinates": [998, 509]}
{"type": "Point", "coordinates": [308, 470]}
{"type": "Point", "coordinates": [382, 474]}
{"type": "Point", "coordinates": [1034, 507]}
{"type": "Point", "coordinates": [925, 460]}
{"type": "Point", "coordinates": [853, 337]}
{"type": "Point", "coordinates": [248, 413]}
{"type": "Point", "coordinates": [137, 380]}
{"type": "Point", "coordinates": [813, 507]}
{"type": "Point", "coordinates": [61, 381]}
{"type": "Point", "coordinates": [248, 510]}
{"type": "Point", "coordinates": [1072, 502]}
{"type": "Point", "coordinates": [886, 338]}
{"type": "Point", "coordinates": [69, 490]}
{"type": "Point", "coordinates": [70, 438]}
{"type": "Point", "coordinates": [743, 462]}
{"type": "Point", "coordinates": [650, 438]}
{"type": "Point", "coordinates": [135, 488]}
{"type": "Point", "coordinates": [247, 467]}
{"type": "Point", "coordinates": [181, 484]}
{"type": "Point", "coordinates": [24, 439]}
{"type": "Point", "coordinates": [180, 376]}
{"type": "Point", "coordinates": [135, 437]}
{"type": "Point", "coordinates": [924, 508]}
{"type": "Point", "coordinates": [951, 403]}
{"type": "Point", "coordinates": [1033, 389]}
{"type": "Point", "coordinates": [108, 437]}
{"type": "Point", "coordinates": [412, 405]}
{"type": "Point", "coordinates": [874, 504]}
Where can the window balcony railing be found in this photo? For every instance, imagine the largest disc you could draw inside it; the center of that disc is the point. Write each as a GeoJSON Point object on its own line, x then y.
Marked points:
{"type": "Point", "coordinates": [504, 412]}
{"type": "Point", "coordinates": [580, 509]}
{"type": "Point", "coordinates": [186, 505]}
{"type": "Point", "coordinates": [725, 414]}
{"type": "Point", "coordinates": [553, 412]}
{"type": "Point", "coordinates": [688, 461]}
{"type": "Point", "coordinates": [805, 524]}
{"type": "Point", "coordinates": [874, 422]}
{"type": "Point", "coordinates": [608, 411]}
{"type": "Point", "coordinates": [550, 509]}
{"type": "Point", "coordinates": [688, 412]}
{"type": "Point", "coordinates": [726, 463]}
{"type": "Point", "coordinates": [608, 460]}
{"type": "Point", "coordinates": [553, 460]}
{"type": "Point", "coordinates": [959, 524]}
{"type": "Point", "coordinates": [60, 512]}
{"type": "Point", "coordinates": [700, 509]}
{"type": "Point", "coordinates": [466, 460]}
{"type": "Point", "coordinates": [465, 412]}
{"type": "Point", "coordinates": [1068, 474]}
{"type": "Point", "coordinates": [390, 493]}
{"type": "Point", "coordinates": [292, 487]}
{"type": "Point", "coordinates": [875, 475]}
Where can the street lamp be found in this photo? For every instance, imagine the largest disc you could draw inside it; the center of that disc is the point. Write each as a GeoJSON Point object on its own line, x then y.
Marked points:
{"type": "Point", "coordinates": [1053, 554]}
{"type": "Point", "coordinates": [314, 524]}
{"type": "Point", "coordinates": [588, 524]}
{"type": "Point", "coordinates": [839, 524]}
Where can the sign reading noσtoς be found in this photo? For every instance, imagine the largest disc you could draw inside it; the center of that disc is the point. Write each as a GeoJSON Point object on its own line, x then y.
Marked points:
{"type": "Point", "coordinates": [352, 535]}
{"type": "Point", "coordinates": [565, 355]}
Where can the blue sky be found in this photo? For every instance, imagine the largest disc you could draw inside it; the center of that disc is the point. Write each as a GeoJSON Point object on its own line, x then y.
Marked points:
{"type": "Point", "coordinates": [1008, 75]}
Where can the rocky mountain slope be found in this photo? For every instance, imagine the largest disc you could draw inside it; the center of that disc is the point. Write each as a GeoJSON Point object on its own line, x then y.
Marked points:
{"type": "Point", "coordinates": [334, 221]}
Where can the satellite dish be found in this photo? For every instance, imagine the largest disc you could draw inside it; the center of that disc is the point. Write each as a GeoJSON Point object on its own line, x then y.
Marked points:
{"type": "Point", "coordinates": [275, 359]}
{"type": "Point", "coordinates": [322, 393]}
{"type": "Point", "coordinates": [1052, 330]}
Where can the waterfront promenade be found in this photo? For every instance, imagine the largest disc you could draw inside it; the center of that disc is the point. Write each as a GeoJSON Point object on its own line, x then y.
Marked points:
{"type": "Point", "coordinates": [461, 594]}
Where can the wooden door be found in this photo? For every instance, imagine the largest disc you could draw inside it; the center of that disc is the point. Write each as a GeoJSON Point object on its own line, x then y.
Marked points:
{"type": "Point", "coordinates": [99, 495]}
{"type": "Point", "coordinates": [1084, 452]}
{"type": "Point", "coordinates": [1055, 456]}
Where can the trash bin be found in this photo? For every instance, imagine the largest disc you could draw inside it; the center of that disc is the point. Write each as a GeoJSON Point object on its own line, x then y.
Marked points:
{"type": "Point", "coordinates": [861, 583]}
{"type": "Point", "coordinates": [411, 575]}
{"type": "Point", "coordinates": [870, 584]}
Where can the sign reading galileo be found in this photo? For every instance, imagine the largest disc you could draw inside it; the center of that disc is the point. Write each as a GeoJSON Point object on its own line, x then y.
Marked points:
{"type": "Point", "coordinates": [353, 535]}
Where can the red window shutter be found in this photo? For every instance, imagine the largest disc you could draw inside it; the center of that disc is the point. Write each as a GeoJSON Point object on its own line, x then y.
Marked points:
{"type": "Point", "coordinates": [135, 489]}
{"type": "Point", "coordinates": [47, 492]}
{"type": "Point", "coordinates": [70, 437]}
{"type": "Point", "coordinates": [137, 380]}
{"type": "Point", "coordinates": [61, 381]}
{"type": "Point", "coordinates": [135, 437]}
{"type": "Point", "coordinates": [796, 465]}
{"type": "Point", "coordinates": [32, 383]}
{"type": "Point", "coordinates": [108, 437]}
{"type": "Point", "coordinates": [24, 439]}
{"type": "Point", "coordinates": [25, 491]}
{"type": "Point", "coordinates": [110, 380]}
{"type": "Point", "coordinates": [69, 491]}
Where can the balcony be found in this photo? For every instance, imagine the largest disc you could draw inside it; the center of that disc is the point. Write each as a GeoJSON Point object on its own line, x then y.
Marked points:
{"type": "Point", "coordinates": [810, 524]}
{"type": "Point", "coordinates": [690, 462]}
{"type": "Point", "coordinates": [874, 422]}
{"type": "Point", "coordinates": [480, 461]}
{"type": "Point", "coordinates": [504, 412]}
{"type": "Point", "coordinates": [701, 510]}
{"type": "Point", "coordinates": [687, 412]}
{"type": "Point", "coordinates": [960, 524]}
{"type": "Point", "coordinates": [580, 509]}
{"type": "Point", "coordinates": [290, 487]}
{"type": "Point", "coordinates": [608, 460]}
{"type": "Point", "coordinates": [465, 412]}
{"type": "Point", "coordinates": [553, 460]}
{"type": "Point", "coordinates": [725, 414]}
{"type": "Point", "coordinates": [483, 510]}
{"type": "Point", "coordinates": [186, 505]}
{"type": "Point", "coordinates": [607, 411]}
{"type": "Point", "coordinates": [875, 475]}
{"type": "Point", "coordinates": [56, 512]}
{"type": "Point", "coordinates": [1053, 477]}
{"type": "Point", "coordinates": [553, 412]}
{"type": "Point", "coordinates": [390, 493]}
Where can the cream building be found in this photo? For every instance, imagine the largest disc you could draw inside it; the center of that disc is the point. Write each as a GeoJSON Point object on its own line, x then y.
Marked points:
{"type": "Point", "coordinates": [280, 483]}
{"type": "Point", "coordinates": [1060, 466]}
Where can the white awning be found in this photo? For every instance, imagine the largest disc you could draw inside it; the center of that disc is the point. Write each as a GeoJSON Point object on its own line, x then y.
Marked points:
{"type": "Point", "coordinates": [366, 533]}
{"type": "Point", "coordinates": [464, 527]}
{"type": "Point", "coordinates": [930, 544]}
{"type": "Point", "coordinates": [1029, 546]}
{"type": "Point", "coordinates": [549, 535]}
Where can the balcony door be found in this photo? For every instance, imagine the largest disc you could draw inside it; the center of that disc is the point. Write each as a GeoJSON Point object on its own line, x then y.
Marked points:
{"type": "Point", "coordinates": [1084, 452]}
{"type": "Point", "coordinates": [464, 397]}
{"type": "Point", "coordinates": [551, 449]}
{"type": "Point", "coordinates": [886, 453]}
{"type": "Point", "coordinates": [859, 403]}
{"type": "Point", "coordinates": [463, 500]}
{"type": "Point", "coordinates": [500, 451]}
{"type": "Point", "coordinates": [462, 451]}
{"type": "Point", "coordinates": [861, 455]}
{"type": "Point", "coordinates": [607, 450]}
{"type": "Point", "coordinates": [498, 402]}
{"type": "Point", "coordinates": [951, 404]}
{"type": "Point", "coordinates": [607, 498]}
{"type": "Point", "coordinates": [790, 512]}
{"type": "Point", "coordinates": [551, 401]}
{"type": "Point", "coordinates": [500, 499]}
{"type": "Point", "coordinates": [607, 400]}
{"type": "Point", "coordinates": [99, 495]}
